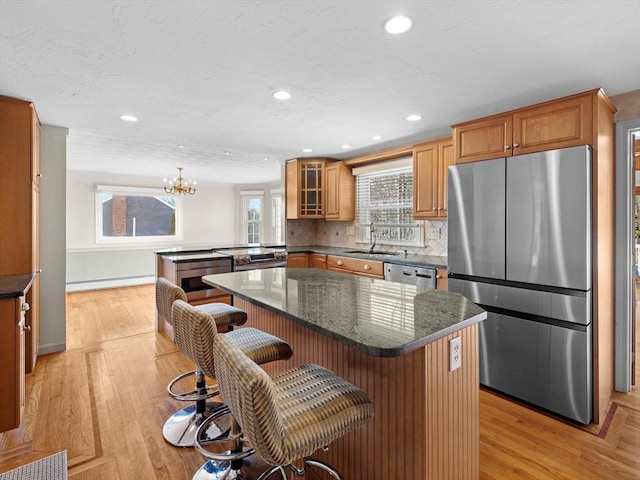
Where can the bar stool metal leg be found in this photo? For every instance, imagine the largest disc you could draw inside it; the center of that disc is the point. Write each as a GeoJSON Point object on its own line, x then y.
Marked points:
{"type": "Point", "coordinates": [180, 428]}
{"type": "Point", "coordinates": [226, 464]}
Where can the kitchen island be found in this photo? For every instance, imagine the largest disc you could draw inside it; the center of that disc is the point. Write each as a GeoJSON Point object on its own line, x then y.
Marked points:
{"type": "Point", "coordinates": [391, 340]}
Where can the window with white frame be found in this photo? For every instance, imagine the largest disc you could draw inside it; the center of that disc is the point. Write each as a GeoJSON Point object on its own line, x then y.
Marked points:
{"type": "Point", "coordinates": [128, 215]}
{"type": "Point", "coordinates": [252, 215]}
{"type": "Point", "coordinates": [384, 204]}
{"type": "Point", "coordinates": [277, 216]}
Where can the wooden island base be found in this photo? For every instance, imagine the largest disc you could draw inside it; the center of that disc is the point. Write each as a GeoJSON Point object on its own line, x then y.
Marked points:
{"type": "Point", "coordinates": [426, 421]}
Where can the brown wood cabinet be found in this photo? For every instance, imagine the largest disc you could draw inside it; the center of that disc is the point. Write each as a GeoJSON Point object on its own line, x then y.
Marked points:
{"type": "Point", "coordinates": [305, 195]}
{"type": "Point", "coordinates": [318, 260]}
{"type": "Point", "coordinates": [357, 266]}
{"type": "Point", "coordinates": [20, 207]}
{"type": "Point", "coordinates": [12, 361]}
{"type": "Point", "coordinates": [340, 192]}
{"type": "Point", "coordinates": [565, 122]}
{"type": "Point", "coordinates": [319, 188]}
{"type": "Point", "coordinates": [430, 163]}
{"type": "Point", "coordinates": [298, 260]}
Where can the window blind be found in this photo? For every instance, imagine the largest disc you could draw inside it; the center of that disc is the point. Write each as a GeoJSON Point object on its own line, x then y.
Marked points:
{"type": "Point", "coordinates": [384, 197]}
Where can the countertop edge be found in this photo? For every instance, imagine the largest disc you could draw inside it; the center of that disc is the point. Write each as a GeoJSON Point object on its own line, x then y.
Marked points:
{"type": "Point", "coordinates": [21, 284]}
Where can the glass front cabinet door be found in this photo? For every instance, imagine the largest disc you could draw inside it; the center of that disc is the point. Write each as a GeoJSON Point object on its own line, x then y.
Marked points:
{"type": "Point", "coordinates": [305, 191]}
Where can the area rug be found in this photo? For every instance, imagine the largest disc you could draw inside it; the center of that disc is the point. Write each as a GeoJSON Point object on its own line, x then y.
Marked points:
{"type": "Point", "coordinates": [53, 467]}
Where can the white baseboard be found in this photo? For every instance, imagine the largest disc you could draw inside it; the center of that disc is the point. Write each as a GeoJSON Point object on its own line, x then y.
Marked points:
{"type": "Point", "coordinates": [109, 283]}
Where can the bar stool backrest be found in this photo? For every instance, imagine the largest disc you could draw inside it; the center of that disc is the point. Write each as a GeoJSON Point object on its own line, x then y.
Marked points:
{"type": "Point", "coordinates": [250, 394]}
{"type": "Point", "coordinates": [194, 332]}
{"type": "Point", "coordinates": [166, 294]}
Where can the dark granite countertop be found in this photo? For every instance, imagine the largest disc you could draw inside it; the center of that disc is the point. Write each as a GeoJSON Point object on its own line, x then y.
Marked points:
{"type": "Point", "coordinates": [397, 258]}
{"type": "Point", "coordinates": [379, 317]}
{"type": "Point", "coordinates": [12, 286]}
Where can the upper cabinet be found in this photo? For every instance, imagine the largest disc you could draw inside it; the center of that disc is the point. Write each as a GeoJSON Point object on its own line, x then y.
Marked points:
{"type": "Point", "coordinates": [319, 188]}
{"type": "Point", "coordinates": [340, 192]}
{"type": "Point", "coordinates": [430, 163]}
{"type": "Point", "coordinates": [304, 188]}
{"type": "Point", "coordinates": [561, 123]}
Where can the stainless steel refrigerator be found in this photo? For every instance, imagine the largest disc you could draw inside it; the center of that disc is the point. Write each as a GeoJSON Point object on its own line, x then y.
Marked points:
{"type": "Point", "coordinates": [520, 246]}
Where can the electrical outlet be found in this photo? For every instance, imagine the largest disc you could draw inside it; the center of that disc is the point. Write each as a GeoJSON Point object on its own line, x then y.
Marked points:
{"type": "Point", "coordinates": [433, 233]}
{"type": "Point", "coordinates": [455, 354]}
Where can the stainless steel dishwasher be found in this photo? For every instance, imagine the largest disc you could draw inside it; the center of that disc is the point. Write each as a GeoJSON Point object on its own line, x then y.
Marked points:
{"type": "Point", "coordinates": [423, 276]}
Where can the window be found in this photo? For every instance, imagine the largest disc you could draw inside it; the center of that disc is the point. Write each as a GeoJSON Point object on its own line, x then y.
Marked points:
{"type": "Point", "coordinates": [384, 197]}
{"type": "Point", "coordinates": [136, 215]}
{"type": "Point", "coordinates": [252, 216]}
{"type": "Point", "coordinates": [276, 216]}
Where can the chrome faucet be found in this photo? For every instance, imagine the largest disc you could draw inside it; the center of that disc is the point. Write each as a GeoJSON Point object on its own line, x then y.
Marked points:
{"type": "Point", "coordinates": [372, 237]}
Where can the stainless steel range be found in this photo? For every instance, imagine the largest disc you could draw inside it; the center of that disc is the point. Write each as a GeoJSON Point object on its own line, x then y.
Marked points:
{"type": "Point", "coordinates": [253, 258]}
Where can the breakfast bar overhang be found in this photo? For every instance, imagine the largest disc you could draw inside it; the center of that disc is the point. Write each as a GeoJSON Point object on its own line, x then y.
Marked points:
{"type": "Point", "coordinates": [392, 340]}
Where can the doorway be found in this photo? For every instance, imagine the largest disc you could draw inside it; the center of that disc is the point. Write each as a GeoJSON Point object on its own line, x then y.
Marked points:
{"type": "Point", "coordinates": [627, 224]}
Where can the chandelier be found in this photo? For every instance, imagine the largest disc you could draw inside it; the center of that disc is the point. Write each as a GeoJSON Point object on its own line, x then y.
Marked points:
{"type": "Point", "coordinates": [178, 186]}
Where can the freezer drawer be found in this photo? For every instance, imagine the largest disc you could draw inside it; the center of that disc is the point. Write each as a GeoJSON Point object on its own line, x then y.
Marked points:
{"type": "Point", "coordinates": [549, 305]}
{"type": "Point", "coordinates": [542, 364]}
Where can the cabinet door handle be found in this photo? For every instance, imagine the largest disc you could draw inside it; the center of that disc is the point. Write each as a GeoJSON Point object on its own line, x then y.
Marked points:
{"type": "Point", "coordinates": [25, 307]}
{"type": "Point", "coordinates": [516, 145]}
{"type": "Point", "coordinates": [26, 328]}
{"type": "Point", "coordinates": [507, 147]}
{"type": "Point", "coordinates": [339, 263]}
{"type": "Point", "coordinates": [367, 267]}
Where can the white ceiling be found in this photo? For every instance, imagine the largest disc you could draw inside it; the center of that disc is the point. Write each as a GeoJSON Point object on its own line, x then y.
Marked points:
{"type": "Point", "coordinates": [201, 74]}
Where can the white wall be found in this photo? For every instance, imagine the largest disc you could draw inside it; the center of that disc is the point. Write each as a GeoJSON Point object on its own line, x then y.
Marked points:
{"type": "Point", "coordinates": [209, 219]}
{"type": "Point", "coordinates": [53, 166]}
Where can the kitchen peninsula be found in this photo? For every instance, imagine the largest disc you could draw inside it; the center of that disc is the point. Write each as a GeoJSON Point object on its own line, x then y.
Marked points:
{"type": "Point", "coordinates": [393, 341]}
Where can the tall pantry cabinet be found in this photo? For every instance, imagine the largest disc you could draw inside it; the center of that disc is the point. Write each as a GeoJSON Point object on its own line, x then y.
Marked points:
{"type": "Point", "coordinates": [20, 207]}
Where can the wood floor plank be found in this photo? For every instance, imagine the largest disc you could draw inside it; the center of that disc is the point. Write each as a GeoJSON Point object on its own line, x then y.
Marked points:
{"type": "Point", "coordinates": [104, 400]}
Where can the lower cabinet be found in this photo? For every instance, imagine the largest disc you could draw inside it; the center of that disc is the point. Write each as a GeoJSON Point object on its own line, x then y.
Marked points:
{"type": "Point", "coordinates": [318, 260]}
{"type": "Point", "coordinates": [357, 266]}
{"type": "Point", "coordinates": [12, 361]}
{"type": "Point", "coordinates": [298, 260]}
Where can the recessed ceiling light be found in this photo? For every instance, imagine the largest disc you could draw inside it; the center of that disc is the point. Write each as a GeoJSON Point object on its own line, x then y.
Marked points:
{"type": "Point", "coordinates": [128, 118]}
{"type": "Point", "coordinates": [414, 118]}
{"type": "Point", "coordinates": [307, 150]}
{"type": "Point", "coordinates": [281, 95]}
{"type": "Point", "coordinates": [180, 146]}
{"type": "Point", "coordinates": [265, 158]}
{"type": "Point", "coordinates": [376, 137]}
{"type": "Point", "coordinates": [227, 152]}
{"type": "Point", "coordinates": [346, 146]}
{"type": "Point", "coordinates": [399, 24]}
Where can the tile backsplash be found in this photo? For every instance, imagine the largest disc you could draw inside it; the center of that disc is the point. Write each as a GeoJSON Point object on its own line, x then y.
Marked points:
{"type": "Point", "coordinates": [334, 234]}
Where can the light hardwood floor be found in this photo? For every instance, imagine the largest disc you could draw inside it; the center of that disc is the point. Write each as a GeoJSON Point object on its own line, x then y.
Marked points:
{"type": "Point", "coordinates": [104, 401]}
